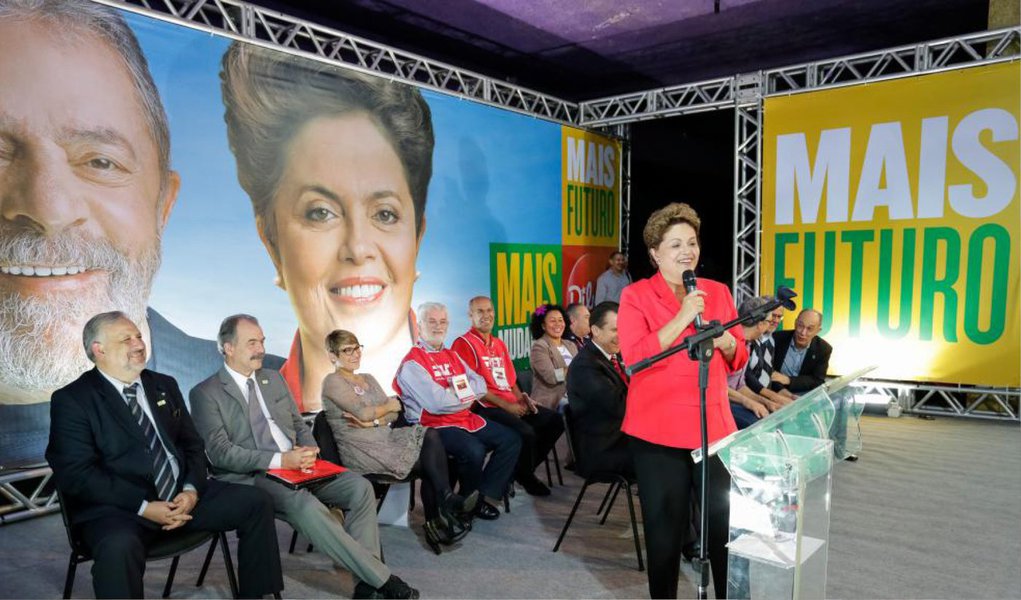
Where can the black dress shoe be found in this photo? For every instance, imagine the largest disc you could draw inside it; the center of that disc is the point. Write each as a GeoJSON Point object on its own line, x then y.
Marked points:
{"type": "Point", "coordinates": [486, 511]}
{"type": "Point", "coordinates": [851, 458]}
{"type": "Point", "coordinates": [533, 486]}
{"type": "Point", "coordinates": [458, 506]}
{"type": "Point", "coordinates": [433, 534]}
{"type": "Point", "coordinates": [392, 588]}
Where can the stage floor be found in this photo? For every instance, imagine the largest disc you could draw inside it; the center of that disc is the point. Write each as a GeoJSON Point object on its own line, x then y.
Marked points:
{"type": "Point", "coordinates": [932, 510]}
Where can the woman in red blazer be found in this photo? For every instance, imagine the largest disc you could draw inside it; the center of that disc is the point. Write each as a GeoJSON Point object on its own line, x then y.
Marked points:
{"type": "Point", "coordinates": [662, 415]}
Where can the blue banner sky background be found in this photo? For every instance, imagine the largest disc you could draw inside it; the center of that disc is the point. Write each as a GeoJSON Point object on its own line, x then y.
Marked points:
{"type": "Point", "coordinates": [496, 178]}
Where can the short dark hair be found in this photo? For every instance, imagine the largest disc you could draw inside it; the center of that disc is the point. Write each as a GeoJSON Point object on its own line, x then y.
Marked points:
{"type": "Point", "coordinates": [601, 312]}
{"type": "Point", "coordinates": [339, 337]}
{"type": "Point", "coordinates": [228, 333]}
{"type": "Point", "coordinates": [535, 325]}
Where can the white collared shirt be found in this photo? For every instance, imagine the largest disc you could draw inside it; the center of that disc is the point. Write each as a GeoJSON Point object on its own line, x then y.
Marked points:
{"type": "Point", "coordinates": [147, 411]}
{"type": "Point", "coordinates": [605, 353]}
{"type": "Point", "coordinates": [278, 434]}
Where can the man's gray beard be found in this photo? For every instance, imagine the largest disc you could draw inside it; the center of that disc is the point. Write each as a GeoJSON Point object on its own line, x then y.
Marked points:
{"type": "Point", "coordinates": [41, 337]}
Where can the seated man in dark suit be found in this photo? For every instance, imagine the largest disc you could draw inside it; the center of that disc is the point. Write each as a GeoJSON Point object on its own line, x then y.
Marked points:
{"type": "Point", "coordinates": [597, 393]}
{"type": "Point", "coordinates": [802, 357]}
{"type": "Point", "coordinates": [131, 466]}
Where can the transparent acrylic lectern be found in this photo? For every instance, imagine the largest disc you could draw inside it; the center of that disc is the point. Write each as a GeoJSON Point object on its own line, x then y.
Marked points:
{"type": "Point", "coordinates": [780, 492]}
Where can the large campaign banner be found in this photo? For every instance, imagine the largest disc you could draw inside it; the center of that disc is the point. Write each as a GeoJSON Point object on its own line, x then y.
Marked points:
{"type": "Point", "coordinates": [183, 177]}
{"type": "Point", "coordinates": [893, 209]}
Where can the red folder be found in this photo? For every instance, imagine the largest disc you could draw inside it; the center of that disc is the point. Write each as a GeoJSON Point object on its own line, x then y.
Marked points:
{"type": "Point", "coordinates": [322, 472]}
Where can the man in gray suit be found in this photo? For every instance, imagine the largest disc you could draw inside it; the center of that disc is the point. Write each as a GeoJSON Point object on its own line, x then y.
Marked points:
{"type": "Point", "coordinates": [251, 423]}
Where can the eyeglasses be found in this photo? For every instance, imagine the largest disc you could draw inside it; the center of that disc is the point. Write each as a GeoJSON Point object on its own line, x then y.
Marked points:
{"type": "Point", "coordinates": [351, 350]}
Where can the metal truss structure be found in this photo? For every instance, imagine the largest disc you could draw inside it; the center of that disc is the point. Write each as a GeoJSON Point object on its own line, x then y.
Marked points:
{"type": "Point", "coordinates": [745, 93]}
{"type": "Point", "coordinates": [747, 201]}
{"type": "Point", "coordinates": [28, 494]}
{"type": "Point", "coordinates": [658, 103]}
{"type": "Point", "coordinates": [28, 490]}
{"type": "Point", "coordinates": [243, 21]}
{"type": "Point", "coordinates": [1001, 404]}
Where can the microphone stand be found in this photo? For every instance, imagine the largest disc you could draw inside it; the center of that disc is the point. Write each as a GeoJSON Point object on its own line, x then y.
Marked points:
{"type": "Point", "coordinates": [700, 347]}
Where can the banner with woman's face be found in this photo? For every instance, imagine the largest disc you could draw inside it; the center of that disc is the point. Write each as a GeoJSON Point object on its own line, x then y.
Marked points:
{"type": "Point", "coordinates": [222, 177]}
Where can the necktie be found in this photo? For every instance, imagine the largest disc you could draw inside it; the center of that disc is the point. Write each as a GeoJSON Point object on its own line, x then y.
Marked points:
{"type": "Point", "coordinates": [260, 426]}
{"type": "Point", "coordinates": [619, 368]}
{"type": "Point", "coordinates": [766, 361]}
{"type": "Point", "coordinates": [165, 483]}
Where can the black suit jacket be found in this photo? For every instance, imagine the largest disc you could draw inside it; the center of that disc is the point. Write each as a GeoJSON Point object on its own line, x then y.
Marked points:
{"type": "Point", "coordinates": [813, 368]}
{"type": "Point", "coordinates": [99, 455]}
{"type": "Point", "coordinates": [597, 396]}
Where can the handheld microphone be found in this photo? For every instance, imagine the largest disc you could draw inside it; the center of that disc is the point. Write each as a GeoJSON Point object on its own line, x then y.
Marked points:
{"type": "Point", "coordinates": [688, 278]}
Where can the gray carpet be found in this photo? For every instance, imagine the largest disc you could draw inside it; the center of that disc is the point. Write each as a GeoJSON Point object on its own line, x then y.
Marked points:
{"type": "Point", "coordinates": [932, 510]}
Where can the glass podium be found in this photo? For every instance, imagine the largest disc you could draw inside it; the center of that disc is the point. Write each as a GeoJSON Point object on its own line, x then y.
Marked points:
{"type": "Point", "coordinates": [780, 492]}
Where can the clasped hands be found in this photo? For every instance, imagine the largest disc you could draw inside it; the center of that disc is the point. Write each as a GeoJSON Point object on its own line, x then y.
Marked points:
{"type": "Point", "coordinates": [173, 514]}
{"type": "Point", "coordinates": [299, 458]}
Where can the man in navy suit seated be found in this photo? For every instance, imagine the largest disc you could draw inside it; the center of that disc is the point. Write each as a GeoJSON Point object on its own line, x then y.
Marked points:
{"type": "Point", "coordinates": [132, 468]}
{"type": "Point", "coordinates": [597, 393]}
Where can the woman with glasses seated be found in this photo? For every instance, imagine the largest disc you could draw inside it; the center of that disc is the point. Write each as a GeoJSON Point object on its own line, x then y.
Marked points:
{"type": "Point", "coordinates": [361, 414]}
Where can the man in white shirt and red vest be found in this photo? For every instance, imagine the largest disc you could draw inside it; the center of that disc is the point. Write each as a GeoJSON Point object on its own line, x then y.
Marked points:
{"type": "Point", "coordinates": [438, 390]}
{"type": "Point", "coordinates": [504, 402]}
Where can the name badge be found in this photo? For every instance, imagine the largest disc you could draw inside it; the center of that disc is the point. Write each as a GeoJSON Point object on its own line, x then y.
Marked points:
{"type": "Point", "coordinates": [558, 374]}
{"type": "Point", "coordinates": [160, 402]}
{"type": "Point", "coordinates": [500, 378]}
{"type": "Point", "coordinates": [462, 388]}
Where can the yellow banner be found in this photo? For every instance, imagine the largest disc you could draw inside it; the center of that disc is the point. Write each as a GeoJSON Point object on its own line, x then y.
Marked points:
{"type": "Point", "coordinates": [591, 189]}
{"type": "Point", "coordinates": [893, 209]}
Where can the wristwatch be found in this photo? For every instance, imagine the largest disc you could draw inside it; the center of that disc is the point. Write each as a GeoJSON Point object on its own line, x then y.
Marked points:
{"type": "Point", "coordinates": [375, 422]}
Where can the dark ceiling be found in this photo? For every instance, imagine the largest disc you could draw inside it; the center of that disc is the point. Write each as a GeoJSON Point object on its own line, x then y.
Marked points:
{"type": "Point", "coordinates": [583, 49]}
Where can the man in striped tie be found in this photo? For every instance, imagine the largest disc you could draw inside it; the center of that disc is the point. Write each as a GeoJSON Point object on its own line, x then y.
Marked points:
{"type": "Point", "coordinates": [132, 467]}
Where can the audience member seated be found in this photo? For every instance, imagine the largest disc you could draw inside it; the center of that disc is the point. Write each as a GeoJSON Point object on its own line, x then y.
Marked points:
{"type": "Point", "coordinates": [438, 389]}
{"type": "Point", "coordinates": [505, 403]}
{"type": "Point", "coordinates": [550, 357]}
{"type": "Point", "coordinates": [127, 458]}
{"type": "Point", "coordinates": [251, 423]}
{"type": "Point", "coordinates": [361, 417]}
{"type": "Point", "coordinates": [597, 393]}
{"type": "Point", "coordinates": [747, 406]}
{"type": "Point", "coordinates": [802, 357]}
{"type": "Point", "coordinates": [759, 371]}
{"type": "Point", "coordinates": [577, 324]}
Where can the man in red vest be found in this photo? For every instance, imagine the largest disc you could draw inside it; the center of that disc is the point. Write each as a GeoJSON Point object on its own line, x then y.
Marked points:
{"type": "Point", "coordinates": [438, 390]}
{"type": "Point", "coordinates": [503, 402]}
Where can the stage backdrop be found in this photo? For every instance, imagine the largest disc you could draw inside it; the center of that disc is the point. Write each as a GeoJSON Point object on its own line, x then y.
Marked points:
{"type": "Point", "coordinates": [893, 209]}
{"type": "Point", "coordinates": [518, 208]}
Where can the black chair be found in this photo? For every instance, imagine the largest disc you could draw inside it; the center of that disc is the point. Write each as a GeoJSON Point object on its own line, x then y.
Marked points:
{"type": "Point", "coordinates": [524, 382]}
{"type": "Point", "coordinates": [173, 544]}
{"type": "Point", "coordinates": [617, 482]}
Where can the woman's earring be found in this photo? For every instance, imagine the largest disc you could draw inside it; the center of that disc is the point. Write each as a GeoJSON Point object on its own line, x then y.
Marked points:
{"type": "Point", "coordinates": [418, 274]}
{"type": "Point", "coordinates": [279, 282]}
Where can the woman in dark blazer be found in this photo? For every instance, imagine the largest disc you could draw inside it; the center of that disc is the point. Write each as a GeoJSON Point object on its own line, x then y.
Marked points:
{"type": "Point", "coordinates": [662, 415]}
